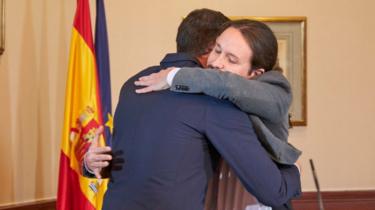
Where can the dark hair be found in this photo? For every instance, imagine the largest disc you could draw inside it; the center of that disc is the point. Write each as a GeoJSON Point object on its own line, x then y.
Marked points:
{"type": "Point", "coordinates": [198, 31]}
{"type": "Point", "coordinates": [261, 40]}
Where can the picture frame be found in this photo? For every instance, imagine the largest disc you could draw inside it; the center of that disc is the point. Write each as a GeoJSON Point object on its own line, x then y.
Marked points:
{"type": "Point", "coordinates": [2, 26]}
{"type": "Point", "coordinates": [291, 36]}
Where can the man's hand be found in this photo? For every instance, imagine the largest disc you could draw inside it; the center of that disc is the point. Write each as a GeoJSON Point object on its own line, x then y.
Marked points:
{"type": "Point", "coordinates": [97, 158]}
{"type": "Point", "coordinates": [154, 81]}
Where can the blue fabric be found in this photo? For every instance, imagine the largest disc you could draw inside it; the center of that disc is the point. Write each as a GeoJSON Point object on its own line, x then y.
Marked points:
{"type": "Point", "coordinates": [103, 66]}
{"type": "Point", "coordinates": [163, 150]}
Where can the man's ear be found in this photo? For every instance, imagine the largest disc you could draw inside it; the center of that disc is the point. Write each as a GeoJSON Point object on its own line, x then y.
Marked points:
{"type": "Point", "coordinates": [255, 73]}
{"type": "Point", "coordinates": [203, 59]}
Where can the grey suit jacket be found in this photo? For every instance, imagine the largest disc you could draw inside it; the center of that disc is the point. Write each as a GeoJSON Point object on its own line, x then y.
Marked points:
{"type": "Point", "coordinates": [266, 99]}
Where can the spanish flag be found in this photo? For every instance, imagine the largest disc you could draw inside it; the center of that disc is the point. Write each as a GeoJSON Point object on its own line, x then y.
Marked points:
{"type": "Point", "coordinates": [83, 115]}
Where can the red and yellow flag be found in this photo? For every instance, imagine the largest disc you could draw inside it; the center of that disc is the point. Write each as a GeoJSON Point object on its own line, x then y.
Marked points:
{"type": "Point", "coordinates": [81, 119]}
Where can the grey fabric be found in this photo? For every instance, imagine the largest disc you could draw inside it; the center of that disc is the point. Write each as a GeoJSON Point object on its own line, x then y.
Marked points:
{"type": "Point", "coordinates": [266, 99]}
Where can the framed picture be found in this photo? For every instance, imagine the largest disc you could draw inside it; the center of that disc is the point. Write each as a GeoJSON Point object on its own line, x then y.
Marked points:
{"type": "Point", "coordinates": [2, 26]}
{"type": "Point", "coordinates": [291, 37]}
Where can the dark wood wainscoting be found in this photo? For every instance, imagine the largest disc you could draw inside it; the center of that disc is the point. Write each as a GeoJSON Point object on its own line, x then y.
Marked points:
{"type": "Point", "coordinates": [340, 200]}
{"type": "Point", "coordinates": [36, 205]}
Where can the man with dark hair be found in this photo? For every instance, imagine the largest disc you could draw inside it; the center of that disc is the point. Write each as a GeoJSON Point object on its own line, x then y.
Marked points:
{"type": "Point", "coordinates": [165, 140]}
{"type": "Point", "coordinates": [196, 34]}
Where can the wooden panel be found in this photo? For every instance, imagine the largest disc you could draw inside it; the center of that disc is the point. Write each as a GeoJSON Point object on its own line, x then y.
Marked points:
{"type": "Point", "coordinates": [343, 200]}
{"type": "Point", "coordinates": [37, 205]}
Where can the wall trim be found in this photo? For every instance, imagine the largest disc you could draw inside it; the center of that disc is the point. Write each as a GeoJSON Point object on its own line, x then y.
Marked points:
{"type": "Point", "coordinates": [47, 204]}
{"type": "Point", "coordinates": [333, 200]}
{"type": "Point", "coordinates": [337, 200]}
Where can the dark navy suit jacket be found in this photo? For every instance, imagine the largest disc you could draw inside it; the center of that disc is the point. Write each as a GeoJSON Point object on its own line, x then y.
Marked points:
{"type": "Point", "coordinates": [164, 141]}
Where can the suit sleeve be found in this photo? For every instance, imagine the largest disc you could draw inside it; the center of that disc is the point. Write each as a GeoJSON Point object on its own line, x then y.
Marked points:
{"type": "Point", "coordinates": [268, 97]}
{"type": "Point", "coordinates": [231, 133]}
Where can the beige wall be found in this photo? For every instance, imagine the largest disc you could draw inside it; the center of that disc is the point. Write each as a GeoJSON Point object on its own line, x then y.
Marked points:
{"type": "Point", "coordinates": [341, 100]}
